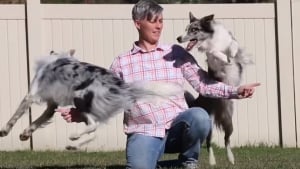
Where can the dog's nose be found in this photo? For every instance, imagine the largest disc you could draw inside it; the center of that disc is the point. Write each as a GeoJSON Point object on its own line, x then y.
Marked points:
{"type": "Point", "coordinates": [179, 39]}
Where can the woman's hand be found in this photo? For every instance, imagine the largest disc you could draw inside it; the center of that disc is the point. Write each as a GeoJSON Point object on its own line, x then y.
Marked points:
{"type": "Point", "coordinates": [71, 115]}
{"type": "Point", "coordinates": [246, 91]}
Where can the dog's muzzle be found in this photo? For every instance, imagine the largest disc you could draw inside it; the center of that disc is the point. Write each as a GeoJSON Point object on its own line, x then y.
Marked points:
{"type": "Point", "coordinates": [179, 39]}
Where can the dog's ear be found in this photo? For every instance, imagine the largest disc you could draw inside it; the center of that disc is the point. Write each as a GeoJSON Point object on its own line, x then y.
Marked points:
{"type": "Point", "coordinates": [192, 18]}
{"type": "Point", "coordinates": [72, 52]}
{"type": "Point", "coordinates": [208, 18]}
{"type": "Point", "coordinates": [206, 23]}
{"type": "Point", "coordinates": [52, 52]}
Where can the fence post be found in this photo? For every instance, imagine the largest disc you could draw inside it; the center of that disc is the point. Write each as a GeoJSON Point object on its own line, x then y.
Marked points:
{"type": "Point", "coordinates": [286, 74]}
{"type": "Point", "coordinates": [34, 41]}
{"type": "Point", "coordinates": [34, 30]}
{"type": "Point", "coordinates": [296, 51]}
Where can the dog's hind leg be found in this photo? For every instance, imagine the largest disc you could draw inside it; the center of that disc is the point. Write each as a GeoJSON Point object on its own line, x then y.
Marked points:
{"type": "Point", "coordinates": [25, 104]}
{"type": "Point", "coordinates": [47, 114]}
{"type": "Point", "coordinates": [211, 155]}
{"type": "Point", "coordinates": [226, 123]}
{"type": "Point", "coordinates": [228, 128]}
{"type": "Point", "coordinates": [230, 155]}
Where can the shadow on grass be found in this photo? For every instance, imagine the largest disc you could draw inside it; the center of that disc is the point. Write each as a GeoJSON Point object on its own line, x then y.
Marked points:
{"type": "Point", "coordinates": [70, 167]}
{"type": "Point", "coordinates": [164, 164]}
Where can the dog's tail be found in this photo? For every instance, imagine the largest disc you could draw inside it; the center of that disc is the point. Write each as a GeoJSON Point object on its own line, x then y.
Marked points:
{"type": "Point", "coordinates": [161, 88]}
{"type": "Point", "coordinates": [25, 104]}
{"type": "Point", "coordinates": [243, 57]}
{"type": "Point", "coordinates": [153, 91]}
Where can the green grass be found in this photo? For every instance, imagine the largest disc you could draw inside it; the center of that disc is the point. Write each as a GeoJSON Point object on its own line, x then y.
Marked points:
{"type": "Point", "coordinates": [246, 158]}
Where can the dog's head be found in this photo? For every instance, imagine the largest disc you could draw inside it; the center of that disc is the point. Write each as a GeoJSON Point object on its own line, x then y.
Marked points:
{"type": "Point", "coordinates": [69, 53]}
{"type": "Point", "coordinates": [198, 30]}
{"type": "Point", "coordinates": [52, 57]}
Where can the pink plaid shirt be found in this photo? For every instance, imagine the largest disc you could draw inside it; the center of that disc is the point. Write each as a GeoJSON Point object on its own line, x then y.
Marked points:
{"type": "Point", "coordinates": [152, 119]}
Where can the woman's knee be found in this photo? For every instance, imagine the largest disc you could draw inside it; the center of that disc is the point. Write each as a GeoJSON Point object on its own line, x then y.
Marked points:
{"type": "Point", "coordinates": [199, 114]}
{"type": "Point", "coordinates": [200, 120]}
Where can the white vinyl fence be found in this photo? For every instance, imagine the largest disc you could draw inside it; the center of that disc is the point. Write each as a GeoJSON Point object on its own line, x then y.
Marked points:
{"type": "Point", "coordinates": [99, 33]}
{"type": "Point", "coordinates": [296, 62]}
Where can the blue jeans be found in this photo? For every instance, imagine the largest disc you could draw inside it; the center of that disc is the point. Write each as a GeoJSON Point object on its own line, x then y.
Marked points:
{"type": "Point", "coordinates": [188, 131]}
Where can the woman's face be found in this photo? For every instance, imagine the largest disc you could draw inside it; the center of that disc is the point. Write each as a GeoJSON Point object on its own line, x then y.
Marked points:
{"type": "Point", "coordinates": [150, 30]}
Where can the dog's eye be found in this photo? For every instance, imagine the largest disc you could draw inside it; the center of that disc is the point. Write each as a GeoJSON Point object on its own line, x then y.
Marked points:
{"type": "Point", "coordinates": [194, 29]}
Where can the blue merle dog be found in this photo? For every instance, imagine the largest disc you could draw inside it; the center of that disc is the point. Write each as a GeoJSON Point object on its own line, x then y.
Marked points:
{"type": "Point", "coordinates": [61, 80]}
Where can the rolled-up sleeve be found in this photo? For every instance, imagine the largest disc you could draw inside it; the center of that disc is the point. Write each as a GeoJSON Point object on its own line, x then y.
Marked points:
{"type": "Point", "coordinates": [116, 67]}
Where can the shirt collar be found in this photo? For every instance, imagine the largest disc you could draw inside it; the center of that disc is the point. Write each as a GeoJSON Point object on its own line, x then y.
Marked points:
{"type": "Point", "coordinates": [160, 47]}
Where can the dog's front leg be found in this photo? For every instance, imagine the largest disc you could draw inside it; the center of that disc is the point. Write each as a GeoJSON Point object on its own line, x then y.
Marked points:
{"type": "Point", "coordinates": [48, 113]}
{"type": "Point", "coordinates": [211, 155]}
{"type": "Point", "coordinates": [219, 55]}
{"type": "Point", "coordinates": [233, 48]}
{"type": "Point", "coordinates": [91, 127]}
{"type": "Point", "coordinates": [89, 131]}
{"type": "Point", "coordinates": [75, 144]}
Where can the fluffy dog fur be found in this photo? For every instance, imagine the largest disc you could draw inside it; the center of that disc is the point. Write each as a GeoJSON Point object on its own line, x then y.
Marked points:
{"type": "Point", "coordinates": [226, 62]}
{"type": "Point", "coordinates": [97, 93]}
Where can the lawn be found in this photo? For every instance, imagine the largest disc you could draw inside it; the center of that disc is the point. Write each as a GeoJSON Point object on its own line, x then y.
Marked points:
{"type": "Point", "coordinates": [246, 158]}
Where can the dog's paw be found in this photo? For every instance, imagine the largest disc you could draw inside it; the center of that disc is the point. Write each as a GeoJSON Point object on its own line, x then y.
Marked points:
{"type": "Point", "coordinates": [212, 159]}
{"type": "Point", "coordinates": [74, 136]}
{"type": "Point", "coordinates": [230, 156]}
{"type": "Point", "coordinates": [24, 137]}
{"type": "Point", "coordinates": [3, 133]}
{"type": "Point", "coordinates": [220, 56]}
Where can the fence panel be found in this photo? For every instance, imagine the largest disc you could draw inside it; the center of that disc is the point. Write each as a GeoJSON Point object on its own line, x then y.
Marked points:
{"type": "Point", "coordinates": [286, 72]}
{"type": "Point", "coordinates": [13, 67]}
{"type": "Point", "coordinates": [98, 36]}
{"type": "Point", "coordinates": [296, 50]}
